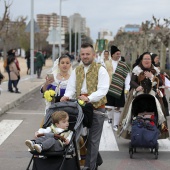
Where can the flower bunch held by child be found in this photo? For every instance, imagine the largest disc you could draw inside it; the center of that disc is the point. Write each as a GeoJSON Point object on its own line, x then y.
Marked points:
{"type": "Point", "coordinates": [49, 94]}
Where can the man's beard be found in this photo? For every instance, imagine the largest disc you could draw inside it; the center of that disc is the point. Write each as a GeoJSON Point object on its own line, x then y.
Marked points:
{"type": "Point", "coordinates": [87, 63]}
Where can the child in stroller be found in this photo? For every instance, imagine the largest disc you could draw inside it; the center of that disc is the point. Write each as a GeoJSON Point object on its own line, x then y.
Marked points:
{"type": "Point", "coordinates": [59, 158]}
{"type": "Point", "coordinates": [47, 138]}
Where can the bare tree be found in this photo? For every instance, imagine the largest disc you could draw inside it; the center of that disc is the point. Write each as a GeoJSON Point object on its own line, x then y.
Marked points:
{"type": "Point", "coordinates": [11, 31]}
{"type": "Point", "coordinates": [3, 25]}
{"type": "Point", "coordinates": [162, 37]}
{"type": "Point", "coordinates": [154, 37]}
{"type": "Point", "coordinates": [5, 16]}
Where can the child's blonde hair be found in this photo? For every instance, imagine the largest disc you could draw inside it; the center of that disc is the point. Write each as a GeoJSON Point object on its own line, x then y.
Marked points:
{"type": "Point", "coordinates": [58, 116]}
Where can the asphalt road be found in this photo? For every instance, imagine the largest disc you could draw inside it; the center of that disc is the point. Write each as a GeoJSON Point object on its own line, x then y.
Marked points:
{"type": "Point", "coordinates": [14, 154]}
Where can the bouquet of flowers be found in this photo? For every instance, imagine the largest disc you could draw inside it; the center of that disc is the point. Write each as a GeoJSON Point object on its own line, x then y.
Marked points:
{"type": "Point", "coordinates": [49, 95]}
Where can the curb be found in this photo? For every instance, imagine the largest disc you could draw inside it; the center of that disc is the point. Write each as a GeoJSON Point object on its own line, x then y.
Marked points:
{"type": "Point", "coordinates": [19, 100]}
{"type": "Point", "coordinates": [23, 97]}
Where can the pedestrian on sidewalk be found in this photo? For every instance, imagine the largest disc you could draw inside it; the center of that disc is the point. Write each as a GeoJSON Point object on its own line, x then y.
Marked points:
{"type": "Point", "coordinates": [39, 63]}
{"type": "Point", "coordinates": [14, 74]}
{"type": "Point", "coordinates": [17, 65]}
{"type": "Point", "coordinates": [27, 57]}
{"type": "Point", "coordinates": [45, 57]}
{"type": "Point", "coordinates": [11, 54]}
{"type": "Point", "coordinates": [90, 83]}
{"type": "Point", "coordinates": [1, 78]}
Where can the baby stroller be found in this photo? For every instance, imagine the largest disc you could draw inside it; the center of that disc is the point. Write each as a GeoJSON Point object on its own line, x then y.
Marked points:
{"type": "Point", "coordinates": [68, 157]}
{"type": "Point", "coordinates": [143, 121]}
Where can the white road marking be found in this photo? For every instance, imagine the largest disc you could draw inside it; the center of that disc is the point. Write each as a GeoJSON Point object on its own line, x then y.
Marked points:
{"type": "Point", "coordinates": [26, 113]}
{"type": "Point", "coordinates": [108, 141]}
{"type": "Point", "coordinates": [7, 127]}
{"type": "Point", "coordinates": [164, 145]}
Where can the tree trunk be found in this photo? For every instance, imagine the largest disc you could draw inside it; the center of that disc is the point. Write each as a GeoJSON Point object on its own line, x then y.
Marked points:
{"type": "Point", "coordinates": [162, 56]}
{"type": "Point", "coordinates": [4, 50]}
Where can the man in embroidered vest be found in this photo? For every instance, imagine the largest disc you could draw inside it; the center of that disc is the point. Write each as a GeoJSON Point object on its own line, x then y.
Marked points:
{"type": "Point", "coordinates": [90, 82]}
{"type": "Point", "coordinates": [119, 86]}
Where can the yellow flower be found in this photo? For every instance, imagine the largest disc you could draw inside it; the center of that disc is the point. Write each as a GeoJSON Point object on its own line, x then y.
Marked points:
{"type": "Point", "coordinates": [52, 92]}
{"type": "Point", "coordinates": [48, 94]}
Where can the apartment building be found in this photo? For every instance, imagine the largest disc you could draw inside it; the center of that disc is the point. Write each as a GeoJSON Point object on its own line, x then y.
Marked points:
{"type": "Point", "coordinates": [77, 22]}
{"type": "Point", "coordinates": [45, 21]}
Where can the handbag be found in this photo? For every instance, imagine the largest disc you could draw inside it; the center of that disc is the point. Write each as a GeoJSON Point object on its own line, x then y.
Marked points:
{"type": "Point", "coordinates": [88, 114]}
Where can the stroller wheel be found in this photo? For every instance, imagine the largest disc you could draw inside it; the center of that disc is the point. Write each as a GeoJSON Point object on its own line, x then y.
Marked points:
{"type": "Point", "coordinates": [96, 168]}
{"type": "Point", "coordinates": [130, 148]}
{"type": "Point", "coordinates": [157, 146]}
{"type": "Point", "coordinates": [134, 150]}
{"type": "Point", "coordinates": [156, 149]}
{"type": "Point", "coordinates": [156, 155]}
{"type": "Point", "coordinates": [131, 154]}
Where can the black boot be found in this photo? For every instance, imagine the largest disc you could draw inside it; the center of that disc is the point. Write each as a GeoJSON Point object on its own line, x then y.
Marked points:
{"type": "Point", "coordinates": [16, 91]}
{"type": "Point", "coordinates": [11, 90]}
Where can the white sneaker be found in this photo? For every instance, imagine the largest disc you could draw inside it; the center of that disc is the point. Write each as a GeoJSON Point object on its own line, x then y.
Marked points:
{"type": "Point", "coordinates": [115, 128]}
{"type": "Point", "coordinates": [38, 148]}
{"type": "Point", "coordinates": [30, 144]}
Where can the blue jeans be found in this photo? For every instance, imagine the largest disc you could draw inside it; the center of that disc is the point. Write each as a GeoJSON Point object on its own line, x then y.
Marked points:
{"type": "Point", "coordinates": [15, 83]}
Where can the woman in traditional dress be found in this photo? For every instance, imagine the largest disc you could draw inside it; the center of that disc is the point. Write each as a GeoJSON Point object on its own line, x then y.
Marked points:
{"type": "Point", "coordinates": [145, 79]}
{"type": "Point", "coordinates": [165, 80]}
{"type": "Point", "coordinates": [57, 80]}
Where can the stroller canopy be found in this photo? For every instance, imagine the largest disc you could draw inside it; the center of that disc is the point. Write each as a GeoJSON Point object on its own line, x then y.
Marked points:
{"type": "Point", "coordinates": [74, 111]}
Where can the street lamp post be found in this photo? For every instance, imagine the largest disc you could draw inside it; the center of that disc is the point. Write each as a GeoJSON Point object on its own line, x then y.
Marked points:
{"type": "Point", "coordinates": [32, 38]}
{"type": "Point", "coordinates": [75, 46]}
{"type": "Point", "coordinates": [70, 34]}
{"type": "Point", "coordinates": [60, 30]}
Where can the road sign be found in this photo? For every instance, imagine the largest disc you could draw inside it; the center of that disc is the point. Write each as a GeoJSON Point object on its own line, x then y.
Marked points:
{"type": "Point", "coordinates": [54, 36]}
{"type": "Point", "coordinates": [36, 27]}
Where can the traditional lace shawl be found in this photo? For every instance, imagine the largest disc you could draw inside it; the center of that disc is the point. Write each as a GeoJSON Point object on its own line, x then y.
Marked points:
{"type": "Point", "coordinates": [137, 70]}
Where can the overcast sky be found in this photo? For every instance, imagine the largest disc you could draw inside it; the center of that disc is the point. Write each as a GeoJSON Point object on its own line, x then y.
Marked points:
{"type": "Point", "coordinates": [99, 14]}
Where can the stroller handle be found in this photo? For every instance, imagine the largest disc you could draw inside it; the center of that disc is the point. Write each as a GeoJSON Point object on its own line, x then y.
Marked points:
{"type": "Point", "coordinates": [72, 100]}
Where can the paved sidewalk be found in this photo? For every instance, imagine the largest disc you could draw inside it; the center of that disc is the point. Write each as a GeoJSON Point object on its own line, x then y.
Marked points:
{"type": "Point", "coordinates": [26, 85]}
